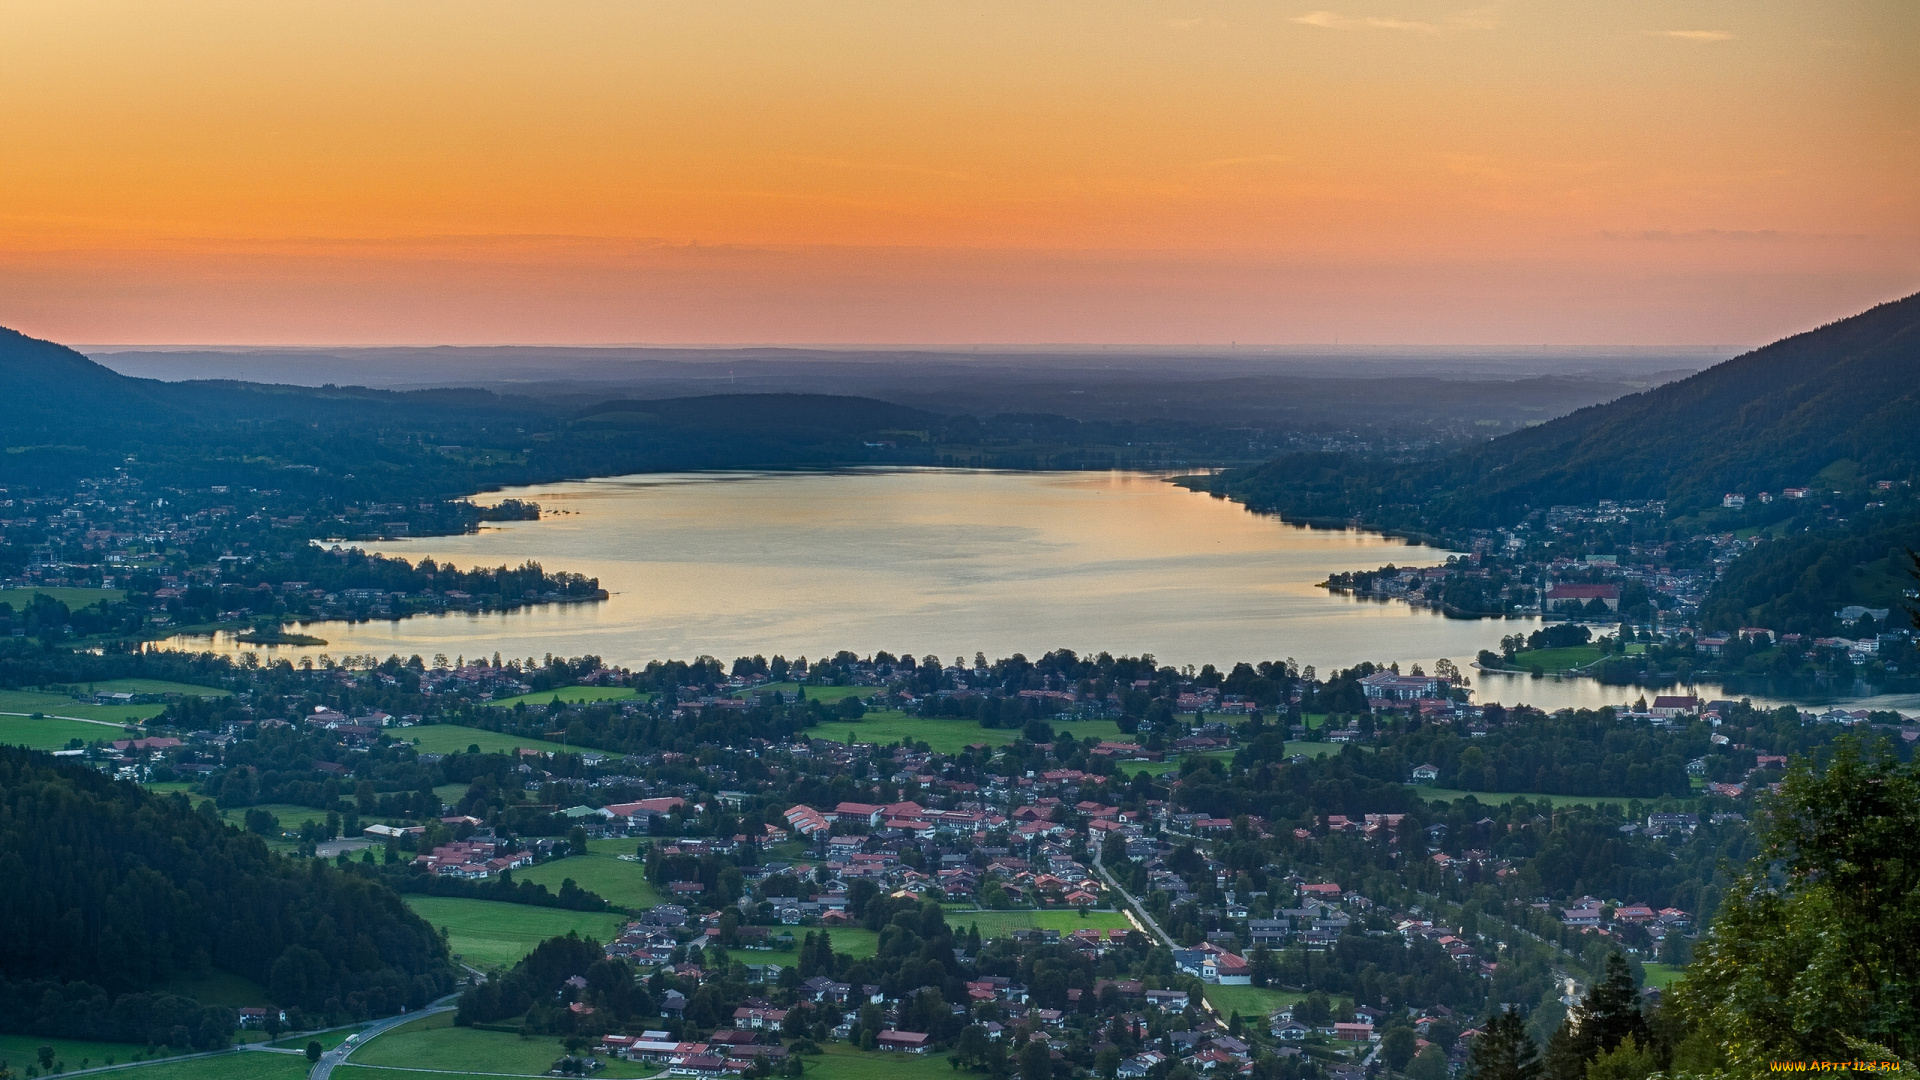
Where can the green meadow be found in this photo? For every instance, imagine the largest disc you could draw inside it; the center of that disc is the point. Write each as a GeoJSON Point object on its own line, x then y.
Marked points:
{"type": "Point", "coordinates": [19, 1051]}
{"type": "Point", "coordinates": [622, 883]}
{"type": "Point", "coordinates": [22, 599]}
{"type": "Point", "coordinates": [1495, 798]}
{"type": "Point", "coordinates": [1662, 975]}
{"type": "Point", "coordinates": [48, 734]}
{"type": "Point", "coordinates": [1251, 1001]}
{"type": "Point", "coordinates": [570, 695]}
{"type": "Point", "coordinates": [950, 736]}
{"type": "Point", "coordinates": [489, 933]}
{"type": "Point", "coordinates": [1001, 923]}
{"type": "Point", "coordinates": [843, 1062]}
{"type": "Point", "coordinates": [455, 739]}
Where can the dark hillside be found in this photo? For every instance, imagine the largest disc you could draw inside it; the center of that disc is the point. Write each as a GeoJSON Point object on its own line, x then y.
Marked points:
{"type": "Point", "coordinates": [112, 891]}
{"type": "Point", "coordinates": [1846, 394]}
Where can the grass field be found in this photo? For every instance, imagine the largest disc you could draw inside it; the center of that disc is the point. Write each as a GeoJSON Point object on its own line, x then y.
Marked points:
{"type": "Point", "coordinates": [854, 941]}
{"type": "Point", "coordinates": [433, 1042]}
{"type": "Point", "coordinates": [623, 883]}
{"type": "Point", "coordinates": [33, 701]}
{"type": "Point", "coordinates": [843, 1062]}
{"type": "Point", "coordinates": [454, 739]}
{"type": "Point", "coordinates": [18, 1051]}
{"type": "Point", "coordinates": [290, 816]}
{"type": "Point", "coordinates": [240, 1065]}
{"type": "Point", "coordinates": [327, 1039]}
{"type": "Point", "coordinates": [1495, 798]}
{"type": "Point", "coordinates": [489, 933]}
{"type": "Point", "coordinates": [1552, 660]}
{"type": "Point", "coordinates": [1001, 923]}
{"type": "Point", "coordinates": [948, 736]}
{"type": "Point", "coordinates": [571, 695]}
{"type": "Point", "coordinates": [52, 734]}
{"type": "Point", "coordinates": [814, 693]}
{"type": "Point", "coordinates": [22, 599]}
{"type": "Point", "coordinates": [1662, 975]}
{"type": "Point", "coordinates": [1251, 1001]}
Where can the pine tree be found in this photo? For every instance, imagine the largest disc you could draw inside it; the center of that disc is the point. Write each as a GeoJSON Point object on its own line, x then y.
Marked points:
{"type": "Point", "coordinates": [1566, 1053]}
{"type": "Point", "coordinates": [1611, 1010]}
{"type": "Point", "coordinates": [1505, 1051]}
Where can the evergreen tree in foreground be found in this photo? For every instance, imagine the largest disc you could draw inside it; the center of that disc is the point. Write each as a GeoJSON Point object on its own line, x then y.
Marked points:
{"type": "Point", "coordinates": [1505, 1051]}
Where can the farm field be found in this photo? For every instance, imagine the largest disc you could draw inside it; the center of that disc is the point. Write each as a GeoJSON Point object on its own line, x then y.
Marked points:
{"type": "Point", "coordinates": [18, 1051]}
{"type": "Point", "coordinates": [290, 816]}
{"type": "Point", "coordinates": [571, 695]}
{"type": "Point", "coordinates": [454, 739]}
{"type": "Point", "coordinates": [490, 933]}
{"type": "Point", "coordinates": [1250, 1001]}
{"type": "Point", "coordinates": [622, 883]}
{"type": "Point", "coordinates": [327, 1039]}
{"type": "Point", "coordinates": [1495, 798]}
{"type": "Point", "coordinates": [432, 1042]}
{"type": "Point", "coordinates": [22, 599]}
{"type": "Point", "coordinates": [47, 734]}
{"type": "Point", "coordinates": [843, 1062]}
{"type": "Point", "coordinates": [1002, 923]}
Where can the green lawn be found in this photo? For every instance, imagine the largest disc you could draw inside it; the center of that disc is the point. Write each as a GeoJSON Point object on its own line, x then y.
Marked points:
{"type": "Point", "coordinates": [814, 693]}
{"type": "Point", "coordinates": [489, 933]}
{"type": "Point", "coordinates": [854, 941]}
{"type": "Point", "coordinates": [290, 816]}
{"type": "Point", "coordinates": [1552, 660]}
{"type": "Point", "coordinates": [33, 701]}
{"type": "Point", "coordinates": [47, 734]}
{"type": "Point", "coordinates": [1001, 923]}
{"type": "Point", "coordinates": [623, 883]}
{"type": "Point", "coordinates": [571, 695]}
{"type": "Point", "coordinates": [22, 599]}
{"type": "Point", "coordinates": [454, 739]}
{"type": "Point", "coordinates": [432, 1042]}
{"type": "Point", "coordinates": [451, 794]}
{"type": "Point", "coordinates": [1494, 798]}
{"type": "Point", "coordinates": [949, 736]}
{"type": "Point", "coordinates": [1250, 1001]}
{"type": "Point", "coordinates": [1662, 975]}
{"type": "Point", "coordinates": [19, 1051]}
{"type": "Point", "coordinates": [843, 1062]}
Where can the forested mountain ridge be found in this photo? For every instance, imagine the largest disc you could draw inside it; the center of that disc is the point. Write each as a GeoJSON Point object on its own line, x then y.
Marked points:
{"type": "Point", "coordinates": [1777, 417]}
{"type": "Point", "coordinates": [114, 891]}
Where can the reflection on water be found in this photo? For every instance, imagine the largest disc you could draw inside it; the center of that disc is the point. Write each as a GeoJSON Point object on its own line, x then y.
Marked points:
{"type": "Point", "coordinates": [938, 561]}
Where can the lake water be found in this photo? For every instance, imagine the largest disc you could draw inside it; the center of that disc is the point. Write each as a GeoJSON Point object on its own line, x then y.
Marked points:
{"type": "Point", "coordinates": [941, 561]}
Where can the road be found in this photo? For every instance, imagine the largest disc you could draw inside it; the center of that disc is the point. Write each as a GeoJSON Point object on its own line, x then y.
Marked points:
{"type": "Point", "coordinates": [338, 1055]}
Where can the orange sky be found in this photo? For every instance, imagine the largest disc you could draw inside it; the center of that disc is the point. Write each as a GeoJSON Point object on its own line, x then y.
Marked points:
{"type": "Point", "coordinates": [1388, 171]}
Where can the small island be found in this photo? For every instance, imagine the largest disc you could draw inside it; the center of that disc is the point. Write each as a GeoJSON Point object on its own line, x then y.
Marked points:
{"type": "Point", "coordinates": [275, 636]}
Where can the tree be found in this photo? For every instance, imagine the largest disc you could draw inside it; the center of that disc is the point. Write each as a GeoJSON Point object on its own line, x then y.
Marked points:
{"type": "Point", "coordinates": [314, 1051]}
{"type": "Point", "coordinates": [1631, 1060]}
{"type": "Point", "coordinates": [1815, 952]}
{"type": "Point", "coordinates": [1036, 1061]}
{"type": "Point", "coordinates": [1610, 1013]}
{"type": "Point", "coordinates": [1430, 1064]}
{"type": "Point", "coordinates": [1505, 1051]}
{"type": "Point", "coordinates": [45, 1054]}
{"type": "Point", "coordinates": [1397, 1046]}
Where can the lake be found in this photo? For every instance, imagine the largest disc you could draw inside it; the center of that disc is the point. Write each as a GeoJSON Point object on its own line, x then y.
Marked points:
{"type": "Point", "coordinates": [933, 561]}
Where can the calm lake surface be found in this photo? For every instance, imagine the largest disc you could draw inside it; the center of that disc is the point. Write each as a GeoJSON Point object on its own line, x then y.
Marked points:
{"type": "Point", "coordinates": [941, 561]}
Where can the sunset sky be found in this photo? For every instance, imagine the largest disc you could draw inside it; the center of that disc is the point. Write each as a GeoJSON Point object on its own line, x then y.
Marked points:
{"type": "Point", "coordinates": [727, 171]}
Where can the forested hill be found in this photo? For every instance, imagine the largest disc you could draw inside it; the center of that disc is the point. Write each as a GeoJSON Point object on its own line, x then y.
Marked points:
{"type": "Point", "coordinates": [114, 892]}
{"type": "Point", "coordinates": [1845, 394]}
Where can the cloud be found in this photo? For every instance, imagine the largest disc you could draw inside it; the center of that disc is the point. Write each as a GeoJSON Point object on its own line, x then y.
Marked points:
{"type": "Point", "coordinates": [1695, 35]}
{"type": "Point", "coordinates": [1330, 20]}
